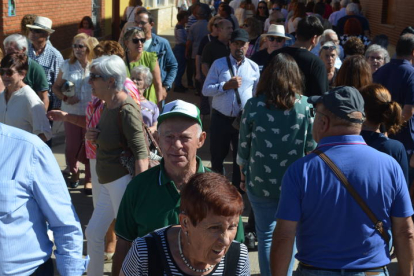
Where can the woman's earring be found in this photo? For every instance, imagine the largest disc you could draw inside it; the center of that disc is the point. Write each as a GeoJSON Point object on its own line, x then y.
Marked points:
{"type": "Point", "coordinates": [108, 88]}
{"type": "Point", "coordinates": [188, 240]}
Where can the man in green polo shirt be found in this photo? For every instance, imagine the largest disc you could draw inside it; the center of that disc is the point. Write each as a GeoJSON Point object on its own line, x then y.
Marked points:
{"type": "Point", "coordinates": [152, 198]}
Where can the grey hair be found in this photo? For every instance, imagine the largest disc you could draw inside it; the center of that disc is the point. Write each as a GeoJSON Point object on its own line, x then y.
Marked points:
{"type": "Point", "coordinates": [111, 66]}
{"type": "Point", "coordinates": [330, 43]}
{"type": "Point", "coordinates": [143, 70]}
{"type": "Point", "coordinates": [344, 3]}
{"type": "Point", "coordinates": [325, 33]}
{"type": "Point", "coordinates": [377, 48]}
{"type": "Point", "coordinates": [20, 40]}
{"type": "Point", "coordinates": [352, 7]}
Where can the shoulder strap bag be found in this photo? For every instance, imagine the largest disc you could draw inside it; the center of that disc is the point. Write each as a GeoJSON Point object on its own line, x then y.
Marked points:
{"type": "Point", "coordinates": [378, 225]}
{"type": "Point", "coordinates": [237, 120]}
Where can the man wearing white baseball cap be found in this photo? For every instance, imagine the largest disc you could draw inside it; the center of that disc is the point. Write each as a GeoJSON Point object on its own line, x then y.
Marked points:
{"type": "Point", "coordinates": [275, 39]}
{"type": "Point", "coordinates": [152, 198]}
{"type": "Point", "coordinates": [44, 53]}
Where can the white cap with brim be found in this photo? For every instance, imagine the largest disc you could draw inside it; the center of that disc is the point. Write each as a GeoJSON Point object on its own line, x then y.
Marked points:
{"type": "Point", "coordinates": [42, 23]}
{"type": "Point", "coordinates": [277, 30]}
{"type": "Point", "coordinates": [180, 108]}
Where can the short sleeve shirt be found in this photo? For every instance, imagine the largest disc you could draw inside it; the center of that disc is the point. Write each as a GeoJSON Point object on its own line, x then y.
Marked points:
{"type": "Point", "coordinates": [151, 201]}
{"type": "Point", "coordinates": [75, 73]}
{"type": "Point", "coordinates": [36, 77]}
{"type": "Point", "coordinates": [333, 231]}
{"type": "Point", "coordinates": [214, 50]}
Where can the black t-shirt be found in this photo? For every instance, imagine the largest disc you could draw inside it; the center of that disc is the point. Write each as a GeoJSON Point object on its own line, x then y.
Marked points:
{"type": "Point", "coordinates": [312, 67]}
{"type": "Point", "coordinates": [261, 58]}
{"type": "Point", "coordinates": [214, 50]}
{"type": "Point", "coordinates": [204, 42]}
{"type": "Point", "coordinates": [389, 146]}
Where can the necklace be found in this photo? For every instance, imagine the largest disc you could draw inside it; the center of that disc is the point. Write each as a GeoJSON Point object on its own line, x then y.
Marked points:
{"type": "Point", "coordinates": [187, 263]}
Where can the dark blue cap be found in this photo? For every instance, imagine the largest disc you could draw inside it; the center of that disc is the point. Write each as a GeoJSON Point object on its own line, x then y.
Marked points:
{"type": "Point", "coordinates": [342, 101]}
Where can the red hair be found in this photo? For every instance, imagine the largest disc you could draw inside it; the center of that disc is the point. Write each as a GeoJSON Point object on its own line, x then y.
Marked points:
{"type": "Point", "coordinates": [210, 192]}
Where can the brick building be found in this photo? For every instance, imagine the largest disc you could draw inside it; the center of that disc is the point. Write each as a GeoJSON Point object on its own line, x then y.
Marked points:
{"type": "Point", "coordinates": [66, 15]}
{"type": "Point", "coordinates": [389, 17]}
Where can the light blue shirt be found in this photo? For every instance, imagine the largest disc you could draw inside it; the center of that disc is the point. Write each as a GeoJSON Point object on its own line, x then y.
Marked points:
{"type": "Point", "coordinates": [225, 101]}
{"type": "Point", "coordinates": [335, 16]}
{"type": "Point", "coordinates": [33, 192]}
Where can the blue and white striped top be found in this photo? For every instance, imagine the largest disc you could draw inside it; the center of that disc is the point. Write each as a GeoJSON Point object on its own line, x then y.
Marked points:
{"type": "Point", "coordinates": [136, 262]}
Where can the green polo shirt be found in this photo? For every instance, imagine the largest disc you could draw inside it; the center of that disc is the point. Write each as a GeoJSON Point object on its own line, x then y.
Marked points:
{"type": "Point", "coordinates": [152, 201]}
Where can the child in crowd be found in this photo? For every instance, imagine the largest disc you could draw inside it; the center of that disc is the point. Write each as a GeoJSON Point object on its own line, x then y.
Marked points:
{"type": "Point", "coordinates": [142, 77]}
{"type": "Point", "coordinates": [86, 26]}
{"type": "Point", "coordinates": [179, 49]}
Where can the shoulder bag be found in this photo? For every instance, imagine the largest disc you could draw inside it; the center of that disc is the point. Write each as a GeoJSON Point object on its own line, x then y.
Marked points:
{"type": "Point", "coordinates": [237, 120]}
{"type": "Point", "coordinates": [378, 225]}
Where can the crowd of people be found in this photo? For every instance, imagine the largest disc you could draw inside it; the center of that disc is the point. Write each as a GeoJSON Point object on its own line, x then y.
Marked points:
{"type": "Point", "coordinates": [318, 117]}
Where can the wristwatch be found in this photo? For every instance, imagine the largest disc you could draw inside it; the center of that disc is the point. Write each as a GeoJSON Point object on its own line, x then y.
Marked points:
{"type": "Point", "coordinates": [167, 87]}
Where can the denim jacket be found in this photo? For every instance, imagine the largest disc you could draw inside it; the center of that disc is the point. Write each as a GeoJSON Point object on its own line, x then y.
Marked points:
{"type": "Point", "coordinates": [166, 59]}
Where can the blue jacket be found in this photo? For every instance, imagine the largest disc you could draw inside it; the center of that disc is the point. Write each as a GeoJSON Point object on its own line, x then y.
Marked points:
{"type": "Point", "coordinates": [166, 59]}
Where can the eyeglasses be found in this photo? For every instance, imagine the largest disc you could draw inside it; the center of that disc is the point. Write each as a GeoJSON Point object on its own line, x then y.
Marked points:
{"type": "Point", "coordinates": [313, 112]}
{"type": "Point", "coordinates": [277, 38]}
{"type": "Point", "coordinates": [9, 72]}
{"type": "Point", "coordinates": [80, 46]}
{"type": "Point", "coordinates": [245, 26]}
{"type": "Point", "coordinates": [142, 23]}
{"type": "Point", "coordinates": [136, 40]}
{"type": "Point", "coordinates": [331, 48]}
{"type": "Point", "coordinates": [376, 58]}
{"type": "Point", "coordinates": [93, 76]}
{"type": "Point", "coordinates": [37, 31]}
{"type": "Point", "coordinates": [275, 9]}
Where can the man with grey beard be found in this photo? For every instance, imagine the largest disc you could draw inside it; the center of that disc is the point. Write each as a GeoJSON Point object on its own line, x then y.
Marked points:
{"type": "Point", "coordinates": [227, 77]}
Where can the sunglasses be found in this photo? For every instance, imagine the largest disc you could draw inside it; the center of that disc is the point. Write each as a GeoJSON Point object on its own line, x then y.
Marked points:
{"type": "Point", "coordinates": [331, 48]}
{"type": "Point", "coordinates": [261, 7]}
{"type": "Point", "coordinates": [273, 38]}
{"type": "Point", "coordinates": [142, 23]}
{"type": "Point", "coordinates": [80, 46]}
{"type": "Point", "coordinates": [9, 72]}
{"type": "Point", "coordinates": [37, 31]}
{"type": "Point", "coordinates": [93, 76]}
{"type": "Point", "coordinates": [136, 40]}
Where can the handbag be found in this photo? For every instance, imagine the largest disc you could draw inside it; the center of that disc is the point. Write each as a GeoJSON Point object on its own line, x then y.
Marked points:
{"type": "Point", "coordinates": [378, 225]}
{"type": "Point", "coordinates": [237, 120]}
{"type": "Point", "coordinates": [127, 158]}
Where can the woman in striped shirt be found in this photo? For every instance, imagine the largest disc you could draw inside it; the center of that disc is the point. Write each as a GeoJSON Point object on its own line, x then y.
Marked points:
{"type": "Point", "coordinates": [203, 243]}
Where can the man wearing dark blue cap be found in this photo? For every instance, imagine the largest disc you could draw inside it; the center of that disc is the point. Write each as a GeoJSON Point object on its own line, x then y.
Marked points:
{"type": "Point", "coordinates": [334, 236]}
{"type": "Point", "coordinates": [227, 77]}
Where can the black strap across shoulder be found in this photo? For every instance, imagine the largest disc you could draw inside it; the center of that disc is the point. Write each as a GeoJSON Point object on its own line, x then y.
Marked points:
{"type": "Point", "coordinates": [158, 265]}
{"type": "Point", "coordinates": [232, 75]}
{"type": "Point", "coordinates": [232, 259]}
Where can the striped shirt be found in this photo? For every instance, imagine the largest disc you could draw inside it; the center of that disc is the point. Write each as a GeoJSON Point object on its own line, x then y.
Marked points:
{"type": "Point", "coordinates": [136, 262]}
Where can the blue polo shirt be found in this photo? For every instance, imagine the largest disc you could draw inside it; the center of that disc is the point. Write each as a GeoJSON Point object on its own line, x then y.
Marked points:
{"type": "Point", "coordinates": [333, 231]}
{"type": "Point", "coordinates": [398, 77]}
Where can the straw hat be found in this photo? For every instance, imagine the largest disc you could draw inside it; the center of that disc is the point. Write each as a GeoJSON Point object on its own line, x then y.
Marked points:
{"type": "Point", "coordinates": [276, 30]}
{"type": "Point", "coordinates": [42, 23]}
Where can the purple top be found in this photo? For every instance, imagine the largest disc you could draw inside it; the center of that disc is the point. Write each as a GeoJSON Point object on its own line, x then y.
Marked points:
{"type": "Point", "coordinates": [150, 112]}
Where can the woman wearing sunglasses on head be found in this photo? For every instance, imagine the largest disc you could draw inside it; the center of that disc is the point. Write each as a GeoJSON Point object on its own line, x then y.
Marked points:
{"type": "Point", "coordinates": [133, 42]}
{"type": "Point", "coordinates": [71, 86]}
{"type": "Point", "coordinates": [19, 105]}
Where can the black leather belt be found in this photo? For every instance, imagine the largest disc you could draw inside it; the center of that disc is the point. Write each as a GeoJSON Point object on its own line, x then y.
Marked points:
{"type": "Point", "coordinates": [375, 269]}
{"type": "Point", "coordinates": [216, 112]}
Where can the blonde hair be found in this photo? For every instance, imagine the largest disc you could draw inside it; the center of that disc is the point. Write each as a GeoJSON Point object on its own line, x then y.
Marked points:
{"type": "Point", "coordinates": [89, 47]}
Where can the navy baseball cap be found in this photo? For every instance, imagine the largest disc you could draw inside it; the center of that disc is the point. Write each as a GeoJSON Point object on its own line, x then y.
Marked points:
{"type": "Point", "coordinates": [239, 34]}
{"type": "Point", "coordinates": [342, 101]}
